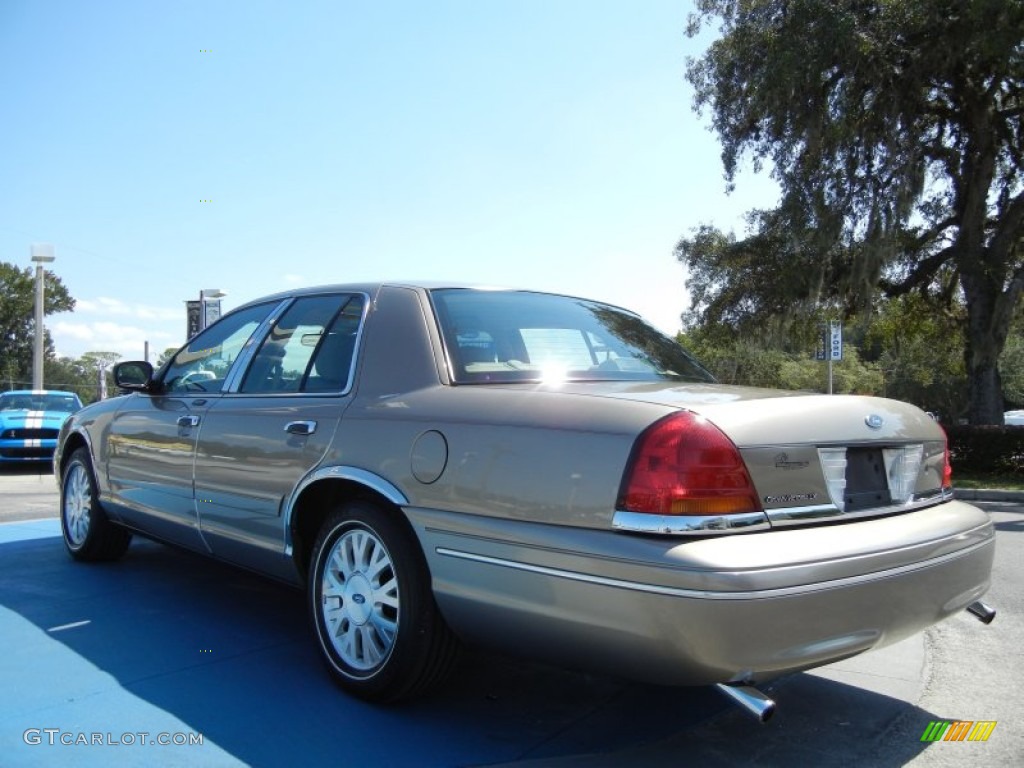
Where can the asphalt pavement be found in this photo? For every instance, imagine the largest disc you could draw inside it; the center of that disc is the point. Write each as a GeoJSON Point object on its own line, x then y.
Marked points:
{"type": "Point", "coordinates": [164, 646]}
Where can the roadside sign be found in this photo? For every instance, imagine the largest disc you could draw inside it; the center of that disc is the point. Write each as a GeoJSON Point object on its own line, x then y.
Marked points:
{"type": "Point", "coordinates": [830, 341]}
{"type": "Point", "coordinates": [835, 340]}
{"type": "Point", "coordinates": [212, 312]}
{"type": "Point", "coordinates": [193, 310]}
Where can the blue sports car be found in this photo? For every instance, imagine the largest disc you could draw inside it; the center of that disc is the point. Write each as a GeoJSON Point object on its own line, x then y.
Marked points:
{"type": "Point", "coordinates": [30, 421]}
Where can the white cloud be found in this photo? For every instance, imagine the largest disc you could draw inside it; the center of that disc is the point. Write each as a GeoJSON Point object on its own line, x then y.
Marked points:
{"type": "Point", "coordinates": [105, 324]}
{"type": "Point", "coordinates": [102, 305]}
{"type": "Point", "coordinates": [108, 306]}
{"type": "Point", "coordinates": [72, 338]}
{"type": "Point", "coordinates": [71, 331]}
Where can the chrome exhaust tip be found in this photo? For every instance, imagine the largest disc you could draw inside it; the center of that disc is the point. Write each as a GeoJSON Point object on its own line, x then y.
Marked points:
{"type": "Point", "coordinates": [750, 699]}
{"type": "Point", "coordinates": [983, 612]}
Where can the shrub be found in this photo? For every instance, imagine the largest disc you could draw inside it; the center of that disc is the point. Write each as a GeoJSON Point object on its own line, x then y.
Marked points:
{"type": "Point", "coordinates": [986, 449]}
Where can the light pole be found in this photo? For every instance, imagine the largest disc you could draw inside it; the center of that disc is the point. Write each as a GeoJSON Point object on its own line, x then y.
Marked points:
{"type": "Point", "coordinates": [42, 253]}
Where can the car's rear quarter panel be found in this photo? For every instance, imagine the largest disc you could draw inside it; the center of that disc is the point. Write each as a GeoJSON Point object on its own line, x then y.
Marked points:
{"type": "Point", "coordinates": [518, 452]}
{"type": "Point", "coordinates": [536, 456]}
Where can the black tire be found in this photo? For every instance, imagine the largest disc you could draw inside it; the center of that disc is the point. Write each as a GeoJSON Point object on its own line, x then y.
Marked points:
{"type": "Point", "coordinates": [372, 608]}
{"type": "Point", "coordinates": [88, 534]}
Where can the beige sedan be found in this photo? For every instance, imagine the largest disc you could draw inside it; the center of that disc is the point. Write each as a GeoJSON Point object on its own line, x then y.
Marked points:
{"type": "Point", "coordinates": [548, 475]}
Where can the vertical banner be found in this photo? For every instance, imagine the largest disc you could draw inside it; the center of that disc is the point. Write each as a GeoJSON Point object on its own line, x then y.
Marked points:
{"type": "Point", "coordinates": [835, 340]}
{"type": "Point", "coordinates": [212, 312]}
{"type": "Point", "coordinates": [193, 311]}
{"type": "Point", "coordinates": [822, 351]}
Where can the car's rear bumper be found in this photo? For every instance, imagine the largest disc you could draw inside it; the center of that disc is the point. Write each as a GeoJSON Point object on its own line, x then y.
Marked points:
{"type": "Point", "coordinates": [744, 607]}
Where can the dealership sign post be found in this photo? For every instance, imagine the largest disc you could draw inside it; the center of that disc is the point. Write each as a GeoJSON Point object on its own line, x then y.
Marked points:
{"type": "Point", "coordinates": [830, 346]}
{"type": "Point", "coordinates": [204, 312]}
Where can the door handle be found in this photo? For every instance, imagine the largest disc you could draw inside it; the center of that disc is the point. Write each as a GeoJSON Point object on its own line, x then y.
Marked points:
{"type": "Point", "coordinates": [188, 421]}
{"type": "Point", "coordinates": [301, 427]}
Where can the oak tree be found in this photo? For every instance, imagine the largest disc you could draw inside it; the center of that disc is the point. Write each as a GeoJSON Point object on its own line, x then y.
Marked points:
{"type": "Point", "coordinates": [17, 318]}
{"type": "Point", "coordinates": [894, 130]}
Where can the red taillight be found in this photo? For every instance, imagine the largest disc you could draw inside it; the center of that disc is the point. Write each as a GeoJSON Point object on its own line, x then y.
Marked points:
{"type": "Point", "coordinates": [947, 464]}
{"type": "Point", "coordinates": [685, 465]}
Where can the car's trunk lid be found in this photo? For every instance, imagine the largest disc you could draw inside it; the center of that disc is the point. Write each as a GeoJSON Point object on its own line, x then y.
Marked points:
{"type": "Point", "coordinates": [812, 456]}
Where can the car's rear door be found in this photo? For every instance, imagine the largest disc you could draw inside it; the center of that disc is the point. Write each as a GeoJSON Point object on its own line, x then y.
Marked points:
{"type": "Point", "coordinates": [274, 425]}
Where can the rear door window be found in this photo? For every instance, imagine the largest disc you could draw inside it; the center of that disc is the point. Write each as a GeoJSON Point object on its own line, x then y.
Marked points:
{"type": "Point", "coordinates": [310, 348]}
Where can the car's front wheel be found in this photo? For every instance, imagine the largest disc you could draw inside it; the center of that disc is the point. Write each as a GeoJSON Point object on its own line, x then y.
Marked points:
{"type": "Point", "coordinates": [372, 607]}
{"type": "Point", "coordinates": [88, 534]}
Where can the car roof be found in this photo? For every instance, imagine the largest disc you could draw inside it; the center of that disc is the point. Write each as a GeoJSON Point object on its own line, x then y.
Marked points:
{"type": "Point", "coordinates": [373, 288]}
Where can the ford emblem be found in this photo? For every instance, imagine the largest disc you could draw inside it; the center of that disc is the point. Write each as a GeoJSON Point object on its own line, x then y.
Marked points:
{"type": "Point", "coordinates": [874, 421]}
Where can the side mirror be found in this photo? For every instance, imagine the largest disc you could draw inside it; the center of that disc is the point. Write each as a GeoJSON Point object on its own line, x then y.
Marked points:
{"type": "Point", "coordinates": [134, 376]}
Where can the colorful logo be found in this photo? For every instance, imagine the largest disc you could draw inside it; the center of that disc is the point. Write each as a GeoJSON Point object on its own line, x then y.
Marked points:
{"type": "Point", "coordinates": [958, 730]}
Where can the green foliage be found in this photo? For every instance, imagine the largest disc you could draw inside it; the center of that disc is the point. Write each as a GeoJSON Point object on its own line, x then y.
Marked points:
{"type": "Point", "coordinates": [736, 361]}
{"type": "Point", "coordinates": [1007, 481]}
{"type": "Point", "coordinates": [17, 318]}
{"type": "Point", "coordinates": [166, 355]}
{"type": "Point", "coordinates": [894, 130]}
{"type": "Point", "coordinates": [753, 361]}
{"type": "Point", "coordinates": [905, 348]}
{"type": "Point", "coordinates": [768, 275]}
{"type": "Point", "coordinates": [17, 338]}
{"type": "Point", "coordinates": [81, 375]}
{"type": "Point", "coordinates": [919, 349]}
{"type": "Point", "coordinates": [71, 376]}
{"type": "Point", "coordinates": [98, 360]}
{"type": "Point", "coordinates": [1012, 364]}
{"type": "Point", "coordinates": [986, 449]}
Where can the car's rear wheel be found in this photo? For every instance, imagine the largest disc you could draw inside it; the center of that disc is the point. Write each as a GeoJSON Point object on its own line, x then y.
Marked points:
{"type": "Point", "coordinates": [372, 607]}
{"type": "Point", "coordinates": [88, 534]}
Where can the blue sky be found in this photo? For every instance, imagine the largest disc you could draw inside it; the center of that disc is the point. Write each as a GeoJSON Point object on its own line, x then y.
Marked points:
{"type": "Point", "coordinates": [544, 144]}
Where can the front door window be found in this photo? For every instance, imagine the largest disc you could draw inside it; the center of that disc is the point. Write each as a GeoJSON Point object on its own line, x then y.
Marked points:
{"type": "Point", "coordinates": [203, 365]}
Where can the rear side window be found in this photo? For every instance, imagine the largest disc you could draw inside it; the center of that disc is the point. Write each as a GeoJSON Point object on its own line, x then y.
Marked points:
{"type": "Point", "coordinates": [309, 349]}
{"type": "Point", "coordinates": [507, 336]}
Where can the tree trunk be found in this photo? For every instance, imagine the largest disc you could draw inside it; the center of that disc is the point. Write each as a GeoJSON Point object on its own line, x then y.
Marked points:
{"type": "Point", "coordinates": [985, 339]}
{"type": "Point", "coordinates": [986, 393]}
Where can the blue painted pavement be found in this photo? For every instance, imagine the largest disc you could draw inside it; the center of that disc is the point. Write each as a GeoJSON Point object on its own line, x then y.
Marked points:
{"type": "Point", "coordinates": [129, 663]}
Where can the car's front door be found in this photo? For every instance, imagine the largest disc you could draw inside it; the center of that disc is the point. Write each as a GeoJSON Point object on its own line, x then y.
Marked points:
{"type": "Point", "coordinates": [152, 438]}
{"type": "Point", "coordinates": [259, 440]}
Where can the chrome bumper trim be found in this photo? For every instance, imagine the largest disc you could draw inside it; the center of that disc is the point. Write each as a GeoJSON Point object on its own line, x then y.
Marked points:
{"type": "Point", "coordinates": [694, 525]}
{"type": "Point", "coordinates": [781, 517]}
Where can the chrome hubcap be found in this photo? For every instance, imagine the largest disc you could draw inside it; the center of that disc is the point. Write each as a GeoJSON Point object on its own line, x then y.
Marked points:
{"type": "Point", "coordinates": [359, 594]}
{"type": "Point", "coordinates": [77, 504]}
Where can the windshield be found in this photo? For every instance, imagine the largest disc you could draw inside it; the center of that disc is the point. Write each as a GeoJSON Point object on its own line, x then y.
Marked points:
{"type": "Point", "coordinates": [507, 336]}
{"type": "Point", "coordinates": [27, 401]}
